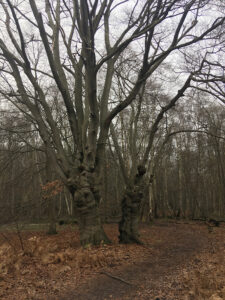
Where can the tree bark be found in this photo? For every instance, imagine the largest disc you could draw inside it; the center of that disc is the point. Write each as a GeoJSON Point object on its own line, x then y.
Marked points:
{"type": "Point", "coordinates": [87, 198]}
{"type": "Point", "coordinates": [131, 204]}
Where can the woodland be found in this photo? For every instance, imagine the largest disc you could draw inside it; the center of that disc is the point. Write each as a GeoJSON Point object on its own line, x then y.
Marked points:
{"type": "Point", "coordinates": [112, 135]}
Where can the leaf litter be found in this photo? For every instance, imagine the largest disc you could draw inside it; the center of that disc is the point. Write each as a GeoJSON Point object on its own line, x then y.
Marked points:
{"type": "Point", "coordinates": [177, 261]}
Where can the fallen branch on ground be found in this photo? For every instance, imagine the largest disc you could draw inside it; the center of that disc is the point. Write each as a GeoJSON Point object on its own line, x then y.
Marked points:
{"type": "Point", "coordinates": [115, 277]}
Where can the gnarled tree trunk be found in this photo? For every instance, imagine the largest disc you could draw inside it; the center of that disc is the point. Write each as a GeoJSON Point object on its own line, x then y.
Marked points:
{"type": "Point", "coordinates": [131, 204]}
{"type": "Point", "coordinates": [86, 198]}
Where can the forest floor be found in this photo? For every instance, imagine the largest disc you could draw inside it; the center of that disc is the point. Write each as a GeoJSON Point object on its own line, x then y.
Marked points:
{"type": "Point", "coordinates": [178, 261]}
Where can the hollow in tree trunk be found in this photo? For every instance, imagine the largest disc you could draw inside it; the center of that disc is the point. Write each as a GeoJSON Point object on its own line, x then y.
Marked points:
{"type": "Point", "coordinates": [131, 204]}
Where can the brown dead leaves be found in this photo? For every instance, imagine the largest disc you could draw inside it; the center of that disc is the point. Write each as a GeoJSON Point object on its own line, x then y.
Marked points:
{"type": "Point", "coordinates": [49, 253]}
{"type": "Point", "coordinates": [206, 279]}
{"type": "Point", "coordinates": [46, 263]}
{"type": "Point", "coordinates": [50, 265]}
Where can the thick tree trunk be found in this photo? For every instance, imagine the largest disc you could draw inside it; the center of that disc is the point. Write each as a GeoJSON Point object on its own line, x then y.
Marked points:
{"type": "Point", "coordinates": [128, 226]}
{"type": "Point", "coordinates": [131, 204]}
{"type": "Point", "coordinates": [86, 199]}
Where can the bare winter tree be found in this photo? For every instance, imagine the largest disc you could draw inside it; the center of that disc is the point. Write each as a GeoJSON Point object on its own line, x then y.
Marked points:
{"type": "Point", "coordinates": [75, 46]}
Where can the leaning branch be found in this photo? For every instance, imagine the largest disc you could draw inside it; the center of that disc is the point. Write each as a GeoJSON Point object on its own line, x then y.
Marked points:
{"type": "Point", "coordinates": [160, 116]}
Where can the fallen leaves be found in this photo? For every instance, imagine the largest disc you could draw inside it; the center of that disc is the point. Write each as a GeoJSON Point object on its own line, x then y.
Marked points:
{"type": "Point", "coordinates": [215, 297]}
{"type": "Point", "coordinates": [206, 277]}
{"type": "Point", "coordinates": [50, 265]}
{"type": "Point", "coordinates": [46, 263]}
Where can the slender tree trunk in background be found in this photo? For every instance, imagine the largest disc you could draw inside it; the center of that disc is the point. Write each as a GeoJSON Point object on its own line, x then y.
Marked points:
{"type": "Point", "coordinates": [51, 200]}
{"type": "Point", "coordinates": [221, 179]}
{"type": "Point", "coordinates": [60, 205]}
{"type": "Point", "coordinates": [40, 183]}
{"type": "Point", "coordinates": [151, 201]}
{"type": "Point", "coordinates": [52, 216]}
{"type": "Point", "coordinates": [131, 203]}
{"type": "Point", "coordinates": [105, 190]}
{"type": "Point", "coordinates": [68, 205]}
{"type": "Point", "coordinates": [155, 197]}
{"type": "Point", "coordinates": [165, 204]}
{"type": "Point", "coordinates": [181, 192]}
{"type": "Point", "coordinates": [86, 199]}
{"type": "Point", "coordinates": [12, 190]}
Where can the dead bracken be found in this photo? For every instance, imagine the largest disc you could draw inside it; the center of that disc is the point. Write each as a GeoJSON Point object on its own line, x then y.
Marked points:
{"type": "Point", "coordinates": [177, 262]}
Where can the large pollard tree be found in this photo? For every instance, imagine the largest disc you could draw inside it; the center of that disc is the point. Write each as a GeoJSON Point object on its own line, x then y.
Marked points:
{"type": "Point", "coordinates": [75, 46]}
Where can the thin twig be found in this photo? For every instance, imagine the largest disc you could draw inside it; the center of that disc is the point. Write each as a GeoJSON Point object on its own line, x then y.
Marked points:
{"type": "Point", "coordinates": [116, 277]}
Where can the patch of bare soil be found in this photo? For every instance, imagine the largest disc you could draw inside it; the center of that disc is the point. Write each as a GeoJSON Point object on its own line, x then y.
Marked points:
{"type": "Point", "coordinates": [178, 261]}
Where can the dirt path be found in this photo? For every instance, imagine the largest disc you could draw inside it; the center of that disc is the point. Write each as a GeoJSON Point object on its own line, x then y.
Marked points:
{"type": "Point", "coordinates": [154, 277]}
